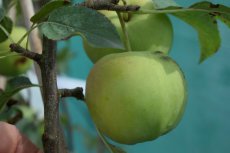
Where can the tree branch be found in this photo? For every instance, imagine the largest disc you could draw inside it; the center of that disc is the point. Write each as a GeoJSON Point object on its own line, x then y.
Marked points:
{"type": "Point", "coordinates": [24, 52]}
{"type": "Point", "coordinates": [76, 93]}
{"type": "Point", "coordinates": [51, 136]}
{"type": "Point", "coordinates": [103, 5]}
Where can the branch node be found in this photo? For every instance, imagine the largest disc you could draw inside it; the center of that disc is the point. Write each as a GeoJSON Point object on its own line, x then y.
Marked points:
{"type": "Point", "coordinates": [76, 93]}
{"type": "Point", "coordinates": [24, 52]}
{"type": "Point", "coordinates": [112, 6]}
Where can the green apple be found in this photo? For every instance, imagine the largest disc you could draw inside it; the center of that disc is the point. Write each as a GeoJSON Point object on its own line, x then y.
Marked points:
{"type": "Point", "coordinates": [136, 96]}
{"type": "Point", "coordinates": [151, 32]}
{"type": "Point", "coordinates": [14, 65]}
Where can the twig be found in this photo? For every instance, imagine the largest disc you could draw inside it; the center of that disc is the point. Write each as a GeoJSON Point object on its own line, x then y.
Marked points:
{"type": "Point", "coordinates": [76, 92]}
{"type": "Point", "coordinates": [110, 6]}
{"type": "Point", "coordinates": [24, 52]}
{"type": "Point", "coordinates": [17, 117]}
{"type": "Point", "coordinates": [53, 137]}
{"type": "Point", "coordinates": [11, 102]}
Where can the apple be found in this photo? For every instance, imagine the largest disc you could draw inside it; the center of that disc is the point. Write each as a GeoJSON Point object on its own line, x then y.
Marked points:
{"type": "Point", "coordinates": [14, 65]}
{"type": "Point", "coordinates": [151, 32]}
{"type": "Point", "coordinates": [136, 96]}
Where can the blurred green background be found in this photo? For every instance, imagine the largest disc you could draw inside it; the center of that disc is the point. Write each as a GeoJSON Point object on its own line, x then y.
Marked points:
{"type": "Point", "coordinates": [205, 127]}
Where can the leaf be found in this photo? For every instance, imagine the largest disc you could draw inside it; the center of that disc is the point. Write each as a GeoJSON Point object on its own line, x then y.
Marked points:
{"type": "Point", "coordinates": [164, 3]}
{"type": "Point", "coordinates": [6, 24]}
{"type": "Point", "coordinates": [203, 17]}
{"type": "Point", "coordinates": [47, 9]}
{"type": "Point", "coordinates": [207, 29]}
{"type": "Point", "coordinates": [14, 85]}
{"type": "Point", "coordinates": [91, 25]}
{"type": "Point", "coordinates": [216, 10]}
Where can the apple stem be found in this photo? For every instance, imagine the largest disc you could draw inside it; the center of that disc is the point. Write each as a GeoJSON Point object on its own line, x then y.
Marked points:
{"type": "Point", "coordinates": [126, 36]}
{"type": "Point", "coordinates": [26, 34]}
{"type": "Point", "coordinates": [104, 140]}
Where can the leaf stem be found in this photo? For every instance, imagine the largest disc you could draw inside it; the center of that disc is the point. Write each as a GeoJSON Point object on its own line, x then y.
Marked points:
{"type": "Point", "coordinates": [104, 140]}
{"type": "Point", "coordinates": [27, 33]}
{"type": "Point", "coordinates": [146, 11]}
{"type": "Point", "coordinates": [124, 30]}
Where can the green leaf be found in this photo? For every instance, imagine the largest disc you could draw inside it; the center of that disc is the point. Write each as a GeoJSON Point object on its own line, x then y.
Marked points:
{"type": "Point", "coordinates": [164, 3]}
{"type": "Point", "coordinates": [91, 25]}
{"type": "Point", "coordinates": [216, 10]}
{"type": "Point", "coordinates": [14, 85]}
{"type": "Point", "coordinates": [47, 9]}
{"type": "Point", "coordinates": [202, 16]}
{"type": "Point", "coordinates": [207, 29]}
{"type": "Point", "coordinates": [6, 24]}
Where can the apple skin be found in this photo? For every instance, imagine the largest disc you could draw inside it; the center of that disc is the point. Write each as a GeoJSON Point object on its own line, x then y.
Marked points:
{"type": "Point", "coordinates": [14, 65]}
{"type": "Point", "coordinates": [136, 96]}
{"type": "Point", "coordinates": [146, 32]}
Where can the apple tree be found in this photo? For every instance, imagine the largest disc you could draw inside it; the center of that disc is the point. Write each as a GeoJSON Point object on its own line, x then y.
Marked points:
{"type": "Point", "coordinates": [135, 92]}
